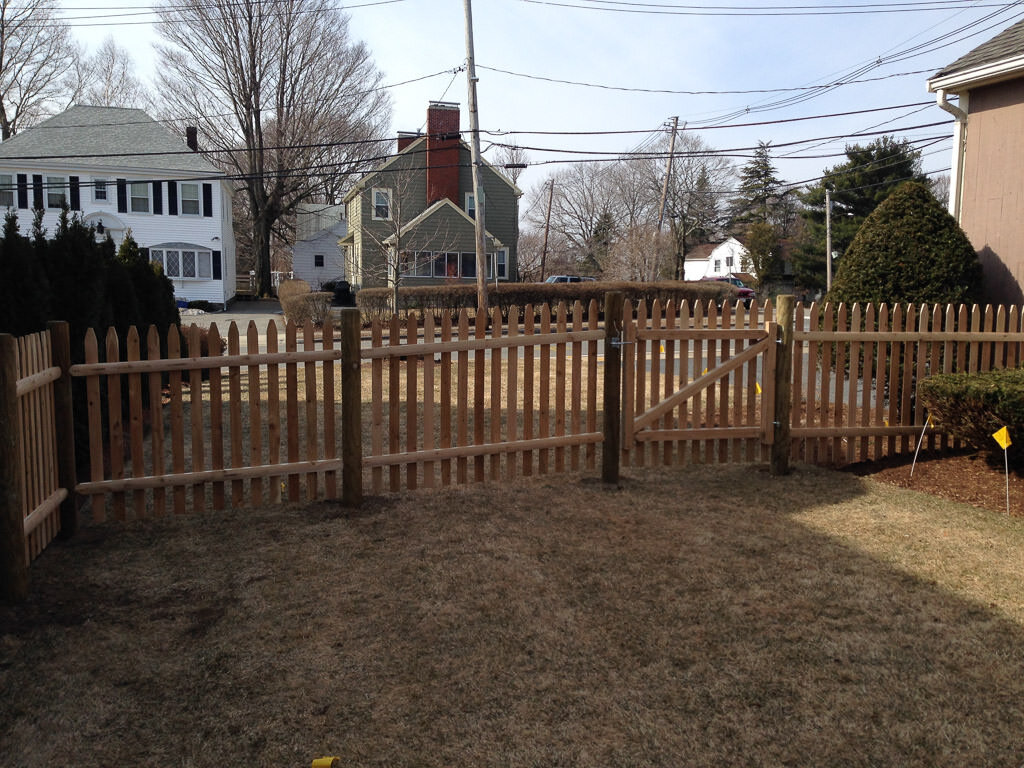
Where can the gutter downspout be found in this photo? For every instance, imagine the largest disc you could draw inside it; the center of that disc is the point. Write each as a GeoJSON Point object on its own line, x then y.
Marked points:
{"type": "Point", "coordinates": [959, 150]}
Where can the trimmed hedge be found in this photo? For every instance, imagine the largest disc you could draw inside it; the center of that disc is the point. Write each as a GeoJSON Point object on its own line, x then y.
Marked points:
{"type": "Point", "coordinates": [305, 307]}
{"type": "Point", "coordinates": [375, 303]}
{"type": "Point", "coordinates": [973, 406]}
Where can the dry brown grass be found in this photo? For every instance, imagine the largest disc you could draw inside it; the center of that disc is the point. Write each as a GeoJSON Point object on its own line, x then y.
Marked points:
{"type": "Point", "coordinates": [704, 616]}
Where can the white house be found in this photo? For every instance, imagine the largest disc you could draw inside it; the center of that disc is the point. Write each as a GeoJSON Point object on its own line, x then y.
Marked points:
{"type": "Point", "coordinates": [725, 259]}
{"type": "Point", "coordinates": [317, 257]}
{"type": "Point", "coordinates": [121, 170]}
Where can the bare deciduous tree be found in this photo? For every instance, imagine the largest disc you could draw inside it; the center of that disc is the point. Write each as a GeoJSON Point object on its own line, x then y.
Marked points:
{"type": "Point", "coordinates": [38, 64]}
{"type": "Point", "coordinates": [512, 160]}
{"type": "Point", "coordinates": [282, 94]}
{"type": "Point", "coordinates": [110, 79]}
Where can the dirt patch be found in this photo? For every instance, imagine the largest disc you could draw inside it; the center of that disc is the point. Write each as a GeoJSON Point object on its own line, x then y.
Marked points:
{"type": "Point", "coordinates": [965, 476]}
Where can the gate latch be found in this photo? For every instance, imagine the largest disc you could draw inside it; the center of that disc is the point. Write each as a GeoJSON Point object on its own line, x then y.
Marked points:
{"type": "Point", "coordinates": [618, 342]}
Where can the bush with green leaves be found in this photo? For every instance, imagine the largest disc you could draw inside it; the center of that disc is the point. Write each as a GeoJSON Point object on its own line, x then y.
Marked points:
{"type": "Point", "coordinates": [910, 249]}
{"type": "Point", "coordinates": [973, 406]}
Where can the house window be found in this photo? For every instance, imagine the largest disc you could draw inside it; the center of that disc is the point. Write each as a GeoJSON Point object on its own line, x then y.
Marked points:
{"type": "Point", "coordinates": [172, 264]}
{"type": "Point", "coordinates": [471, 203]}
{"type": "Point", "coordinates": [6, 190]}
{"type": "Point", "coordinates": [382, 204]}
{"type": "Point", "coordinates": [56, 195]}
{"type": "Point", "coordinates": [189, 199]}
{"type": "Point", "coordinates": [318, 260]}
{"type": "Point", "coordinates": [99, 190]}
{"type": "Point", "coordinates": [140, 197]}
{"type": "Point", "coordinates": [424, 262]}
{"type": "Point", "coordinates": [718, 266]}
{"type": "Point", "coordinates": [728, 261]}
{"type": "Point", "coordinates": [501, 263]}
{"type": "Point", "coordinates": [468, 265]}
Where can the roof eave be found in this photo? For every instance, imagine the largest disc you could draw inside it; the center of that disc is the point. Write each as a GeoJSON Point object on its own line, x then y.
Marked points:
{"type": "Point", "coordinates": [987, 74]}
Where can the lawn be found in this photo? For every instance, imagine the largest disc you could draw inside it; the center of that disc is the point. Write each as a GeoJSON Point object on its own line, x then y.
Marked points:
{"type": "Point", "coordinates": [708, 615]}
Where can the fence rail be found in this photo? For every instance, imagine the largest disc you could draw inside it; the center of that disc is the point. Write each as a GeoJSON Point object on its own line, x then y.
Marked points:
{"type": "Point", "coordinates": [181, 423]}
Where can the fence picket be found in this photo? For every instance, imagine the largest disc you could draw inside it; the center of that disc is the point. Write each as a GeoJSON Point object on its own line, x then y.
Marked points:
{"type": "Point", "coordinates": [177, 418]}
{"type": "Point", "coordinates": [312, 432]}
{"type": "Point", "coordinates": [115, 425]}
{"type": "Point", "coordinates": [254, 386]}
{"type": "Point", "coordinates": [591, 450]}
{"type": "Point", "coordinates": [429, 406]}
{"type": "Point", "coordinates": [529, 382]}
{"type": "Point", "coordinates": [135, 421]}
{"type": "Point", "coordinates": [234, 412]}
{"type": "Point", "coordinates": [462, 400]}
{"type": "Point", "coordinates": [156, 422]}
{"type": "Point", "coordinates": [291, 378]}
{"type": "Point", "coordinates": [274, 484]}
{"type": "Point", "coordinates": [446, 399]}
{"type": "Point", "coordinates": [377, 405]}
{"type": "Point", "coordinates": [512, 392]}
{"type": "Point", "coordinates": [495, 395]}
{"type": "Point", "coordinates": [411, 398]}
{"type": "Point", "coordinates": [216, 411]}
{"type": "Point", "coordinates": [544, 424]}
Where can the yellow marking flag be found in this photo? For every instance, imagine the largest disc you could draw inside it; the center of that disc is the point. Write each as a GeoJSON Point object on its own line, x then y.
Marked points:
{"type": "Point", "coordinates": [757, 387]}
{"type": "Point", "coordinates": [1003, 438]}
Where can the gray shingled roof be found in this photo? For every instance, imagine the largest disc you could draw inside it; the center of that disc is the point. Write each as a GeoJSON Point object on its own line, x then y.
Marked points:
{"type": "Point", "coordinates": [1005, 45]}
{"type": "Point", "coordinates": [92, 137]}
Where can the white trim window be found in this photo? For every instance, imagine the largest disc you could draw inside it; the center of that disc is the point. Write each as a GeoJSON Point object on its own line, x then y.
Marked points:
{"type": "Point", "coordinates": [139, 202]}
{"type": "Point", "coordinates": [471, 203]}
{"type": "Point", "coordinates": [189, 194]}
{"type": "Point", "coordinates": [56, 191]}
{"type": "Point", "coordinates": [184, 263]}
{"type": "Point", "coordinates": [6, 190]}
{"type": "Point", "coordinates": [380, 198]}
{"type": "Point", "coordinates": [99, 190]}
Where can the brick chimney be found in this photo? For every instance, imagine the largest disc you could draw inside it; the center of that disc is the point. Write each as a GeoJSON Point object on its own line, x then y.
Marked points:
{"type": "Point", "coordinates": [405, 138]}
{"type": "Point", "coordinates": [192, 137]}
{"type": "Point", "coordinates": [442, 152]}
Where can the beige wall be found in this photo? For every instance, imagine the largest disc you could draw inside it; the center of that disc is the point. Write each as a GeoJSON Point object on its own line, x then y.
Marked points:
{"type": "Point", "coordinates": [993, 187]}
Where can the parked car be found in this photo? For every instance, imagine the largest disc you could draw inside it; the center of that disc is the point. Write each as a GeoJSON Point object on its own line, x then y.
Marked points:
{"type": "Point", "coordinates": [568, 279]}
{"type": "Point", "coordinates": [743, 293]}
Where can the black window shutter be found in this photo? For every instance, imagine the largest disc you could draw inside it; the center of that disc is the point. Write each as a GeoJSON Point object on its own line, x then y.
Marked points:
{"type": "Point", "coordinates": [122, 196]}
{"type": "Point", "coordinates": [208, 200]}
{"type": "Point", "coordinates": [144, 254]}
{"type": "Point", "coordinates": [216, 265]}
{"type": "Point", "coordinates": [37, 190]}
{"type": "Point", "coordinates": [22, 190]}
{"type": "Point", "coordinates": [76, 201]}
{"type": "Point", "coordinates": [158, 197]}
{"type": "Point", "coordinates": [172, 198]}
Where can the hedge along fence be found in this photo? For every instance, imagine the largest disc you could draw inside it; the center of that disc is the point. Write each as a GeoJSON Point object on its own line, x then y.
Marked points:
{"type": "Point", "coordinates": [449, 299]}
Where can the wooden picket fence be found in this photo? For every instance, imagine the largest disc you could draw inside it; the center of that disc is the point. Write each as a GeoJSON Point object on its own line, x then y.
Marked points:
{"type": "Point", "coordinates": [208, 427]}
{"type": "Point", "coordinates": [177, 424]}
{"type": "Point", "coordinates": [515, 398]}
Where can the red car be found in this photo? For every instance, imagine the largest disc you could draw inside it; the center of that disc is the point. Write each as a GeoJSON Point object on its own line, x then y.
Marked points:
{"type": "Point", "coordinates": [745, 294]}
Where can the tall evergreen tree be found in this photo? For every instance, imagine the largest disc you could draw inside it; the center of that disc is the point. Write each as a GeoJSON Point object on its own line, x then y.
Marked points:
{"type": "Point", "coordinates": [760, 193]}
{"type": "Point", "coordinates": [858, 186]}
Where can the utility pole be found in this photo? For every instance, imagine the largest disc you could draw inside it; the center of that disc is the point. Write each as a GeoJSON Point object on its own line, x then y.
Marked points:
{"type": "Point", "coordinates": [547, 228]}
{"type": "Point", "coordinates": [828, 239]}
{"type": "Point", "coordinates": [668, 173]}
{"type": "Point", "coordinates": [478, 198]}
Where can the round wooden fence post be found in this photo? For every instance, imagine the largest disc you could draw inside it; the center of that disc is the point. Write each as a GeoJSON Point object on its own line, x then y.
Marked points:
{"type": "Point", "coordinates": [613, 332]}
{"type": "Point", "coordinates": [13, 555]}
{"type": "Point", "coordinates": [780, 450]}
{"type": "Point", "coordinates": [351, 408]}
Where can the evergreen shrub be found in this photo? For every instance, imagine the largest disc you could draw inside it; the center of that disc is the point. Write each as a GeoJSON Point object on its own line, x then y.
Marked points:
{"type": "Point", "coordinates": [910, 249]}
{"type": "Point", "coordinates": [973, 406]}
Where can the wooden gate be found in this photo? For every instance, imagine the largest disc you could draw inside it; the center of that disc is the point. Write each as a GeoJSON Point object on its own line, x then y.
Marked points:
{"type": "Point", "coordinates": [697, 384]}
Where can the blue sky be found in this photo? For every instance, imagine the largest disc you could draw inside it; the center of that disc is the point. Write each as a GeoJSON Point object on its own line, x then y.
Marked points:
{"type": "Point", "coordinates": [662, 45]}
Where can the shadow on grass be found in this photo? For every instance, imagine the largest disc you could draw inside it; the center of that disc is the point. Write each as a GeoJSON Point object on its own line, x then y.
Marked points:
{"type": "Point", "coordinates": [693, 617]}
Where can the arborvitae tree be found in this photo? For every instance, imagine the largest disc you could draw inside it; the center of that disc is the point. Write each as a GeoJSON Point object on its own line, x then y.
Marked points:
{"type": "Point", "coordinates": [153, 289]}
{"type": "Point", "coordinates": [909, 250]}
{"type": "Point", "coordinates": [24, 288]}
{"type": "Point", "coordinates": [857, 186]}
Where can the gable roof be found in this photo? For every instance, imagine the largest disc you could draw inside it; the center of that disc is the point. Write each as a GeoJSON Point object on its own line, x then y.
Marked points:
{"type": "Point", "coordinates": [432, 211]}
{"type": "Point", "coordinates": [414, 146]}
{"type": "Point", "coordinates": [1000, 58]}
{"type": "Point", "coordinates": [95, 137]}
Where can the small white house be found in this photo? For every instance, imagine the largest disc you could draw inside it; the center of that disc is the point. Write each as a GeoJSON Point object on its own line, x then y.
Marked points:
{"type": "Point", "coordinates": [723, 260]}
{"type": "Point", "coordinates": [120, 170]}
{"type": "Point", "coordinates": [317, 257]}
